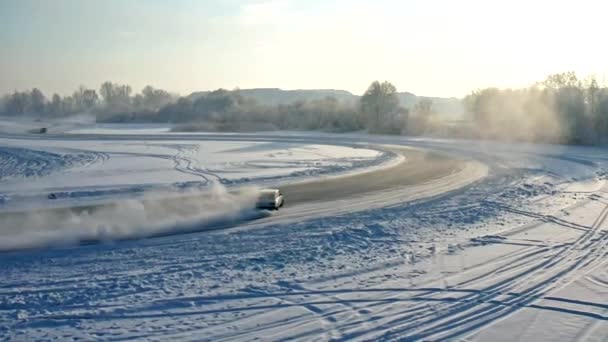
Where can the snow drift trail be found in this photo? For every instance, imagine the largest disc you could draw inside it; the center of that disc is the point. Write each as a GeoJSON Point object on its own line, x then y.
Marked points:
{"type": "Point", "coordinates": [155, 215]}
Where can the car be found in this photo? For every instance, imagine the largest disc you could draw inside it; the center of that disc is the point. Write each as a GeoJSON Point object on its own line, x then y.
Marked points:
{"type": "Point", "coordinates": [42, 130]}
{"type": "Point", "coordinates": [270, 199]}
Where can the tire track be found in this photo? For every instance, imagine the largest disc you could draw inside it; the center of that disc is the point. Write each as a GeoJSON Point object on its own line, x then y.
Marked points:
{"type": "Point", "coordinates": [423, 315]}
{"type": "Point", "coordinates": [184, 164]}
{"type": "Point", "coordinates": [18, 162]}
{"type": "Point", "coordinates": [454, 323]}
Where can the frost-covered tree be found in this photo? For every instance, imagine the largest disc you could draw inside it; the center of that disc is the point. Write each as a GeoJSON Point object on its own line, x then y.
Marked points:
{"type": "Point", "coordinates": [378, 105]}
{"type": "Point", "coordinates": [85, 99]}
{"type": "Point", "coordinates": [154, 99]}
{"type": "Point", "coordinates": [37, 101]}
{"type": "Point", "coordinates": [17, 103]}
{"type": "Point", "coordinates": [116, 97]}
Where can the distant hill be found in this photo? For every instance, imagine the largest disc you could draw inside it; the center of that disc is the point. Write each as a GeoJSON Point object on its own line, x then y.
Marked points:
{"type": "Point", "coordinates": [276, 96]}
{"type": "Point", "coordinates": [448, 108]}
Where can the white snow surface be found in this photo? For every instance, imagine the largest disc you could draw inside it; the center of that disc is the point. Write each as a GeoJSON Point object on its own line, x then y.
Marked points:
{"type": "Point", "coordinates": [515, 248]}
{"type": "Point", "coordinates": [120, 129]}
{"type": "Point", "coordinates": [77, 170]}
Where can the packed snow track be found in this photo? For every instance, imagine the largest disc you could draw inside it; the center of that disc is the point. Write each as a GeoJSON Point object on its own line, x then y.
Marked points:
{"type": "Point", "coordinates": [486, 242]}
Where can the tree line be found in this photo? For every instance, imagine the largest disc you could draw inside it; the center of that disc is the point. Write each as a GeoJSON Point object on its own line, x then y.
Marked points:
{"type": "Point", "coordinates": [111, 99]}
{"type": "Point", "coordinates": [377, 111]}
{"type": "Point", "coordinates": [560, 109]}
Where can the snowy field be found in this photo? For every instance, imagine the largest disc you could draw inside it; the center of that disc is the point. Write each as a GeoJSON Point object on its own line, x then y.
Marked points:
{"type": "Point", "coordinates": [513, 246]}
{"type": "Point", "coordinates": [77, 170]}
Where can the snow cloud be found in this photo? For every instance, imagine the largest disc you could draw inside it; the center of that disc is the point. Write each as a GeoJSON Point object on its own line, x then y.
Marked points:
{"type": "Point", "coordinates": [157, 214]}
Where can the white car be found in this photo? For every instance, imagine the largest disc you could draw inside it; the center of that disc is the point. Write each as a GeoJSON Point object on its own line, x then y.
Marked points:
{"type": "Point", "coordinates": [270, 199]}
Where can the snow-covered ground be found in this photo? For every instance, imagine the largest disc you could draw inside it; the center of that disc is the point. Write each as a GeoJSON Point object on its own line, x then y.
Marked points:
{"type": "Point", "coordinates": [20, 125]}
{"type": "Point", "coordinates": [120, 129]}
{"type": "Point", "coordinates": [77, 170]}
{"type": "Point", "coordinates": [519, 254]}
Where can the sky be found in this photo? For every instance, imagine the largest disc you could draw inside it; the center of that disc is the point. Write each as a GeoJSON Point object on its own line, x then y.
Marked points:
{"type": "Point", "coordinates": [430, 47]}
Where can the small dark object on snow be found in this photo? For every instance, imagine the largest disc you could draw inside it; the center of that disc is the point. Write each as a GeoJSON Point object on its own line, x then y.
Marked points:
{"type": "Point", "coordinates": [41, 130]}
{"type": "Point", "coordinates": [52, 196]}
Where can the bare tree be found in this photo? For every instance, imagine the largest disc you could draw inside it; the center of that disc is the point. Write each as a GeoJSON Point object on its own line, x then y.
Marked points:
{"type": "Point", "coordinates": [55, 107]}
{"type": "Point", "coordinates": [116, 97]}
{"type": "Point", "coordinates": [379, 102]}
{"type": "Point", "coordinates": [85, 99]}
{"type": "Point", "coordinates": [37, 101]}
{"type": "Point", "coordinates": [154, 99]}
{"type": "Point", "coordinates": [18, 103]}
{"type": "Point", "coordinates": [422, 117]}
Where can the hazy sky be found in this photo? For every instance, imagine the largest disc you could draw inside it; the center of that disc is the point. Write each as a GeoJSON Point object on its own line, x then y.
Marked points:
{"type": "Point", "coordinates": [430, 47]}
